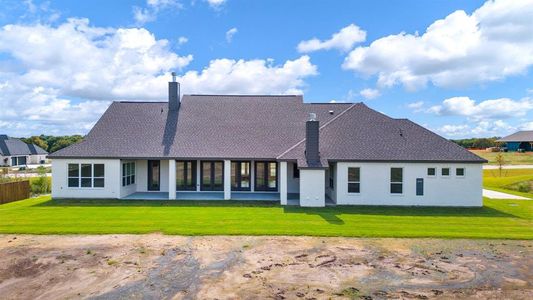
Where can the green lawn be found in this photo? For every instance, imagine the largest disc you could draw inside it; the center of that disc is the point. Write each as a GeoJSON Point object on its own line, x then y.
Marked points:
{"type": "Point", "coordinates": [511, 158]}
{"type": "Point", "coordinates": [508, 181]}
{"type": "Point", "coordinates": [497, 219]}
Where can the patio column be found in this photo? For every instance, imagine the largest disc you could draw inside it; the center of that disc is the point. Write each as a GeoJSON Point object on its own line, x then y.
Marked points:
{"type": "Point", "coordinates": [283, 182]}
{"type": "Point", "coordinates": [172, 179]}
{"type": "Point", "coordinates": [227, 179]}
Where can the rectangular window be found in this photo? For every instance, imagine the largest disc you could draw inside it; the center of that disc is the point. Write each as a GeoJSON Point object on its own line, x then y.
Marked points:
{"type": "Point", "coordinates": [86, 175]}
{"type": "Point", "coordinates": [445, 172]}
{"type": "Point", "coordinates": [460, 172]}
{"type": "Point", "coordinates": [266, 176]}
{"type": "Point", "coordinates": [354, 180]}
{"type": "Point", "coordinates": [73, 175]}
{"type": "Point", "coordinates": [396, 180]}
{"type": "Point", "coordinates": [212, 176]}
{"type": "Point", "coordinates": [186, 175]}
{"type": "Point", "coordinates": [128, 173]}
{"type": "Point", "coordinates": [432, 171]}
{"type": "Point", "coordinates": [240, 175]}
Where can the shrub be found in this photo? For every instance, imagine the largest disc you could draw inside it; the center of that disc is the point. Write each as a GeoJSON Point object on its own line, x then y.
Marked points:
{"type": "Point", "coordinates": [42, 184]}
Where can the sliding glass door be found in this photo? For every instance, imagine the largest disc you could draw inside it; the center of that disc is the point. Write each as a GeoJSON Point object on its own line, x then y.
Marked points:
{"type": "Point", "coordinates": [186, 175]}
{"type": "Point", "coordinates": [212, 175]}
{"type": "Point", "coordinates": [240, 176]}
{"type": "Point", "coordinates": [266, 176]}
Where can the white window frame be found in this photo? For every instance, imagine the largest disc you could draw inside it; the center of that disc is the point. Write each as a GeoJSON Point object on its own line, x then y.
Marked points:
{"type": "Point", "coordinates": [432, 176]}
{"type": "Point", "coordinates": [395, 182]}
{"type": "Point", "coordinates": [80, 177]}
{"type": "Point", "coordinates": [449, 172]}
{"type": "Point", "coordinates": [358, 182]}
{"type": "Point", "coordinates": [464, 172]}
{"type": "Point", "coordinates": [131, 176]}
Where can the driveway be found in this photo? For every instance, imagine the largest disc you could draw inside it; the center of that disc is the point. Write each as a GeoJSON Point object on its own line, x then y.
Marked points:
{"type": "Point", "coordinates": [499, 195]}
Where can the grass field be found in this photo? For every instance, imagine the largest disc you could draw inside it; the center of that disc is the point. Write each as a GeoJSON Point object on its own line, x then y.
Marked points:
{"type": "Point", "coordinates": [511, 158]}
{"type": "Point", "coordinates": [508, 181]}
{"type": "Point", "coordinates": [513, 219]}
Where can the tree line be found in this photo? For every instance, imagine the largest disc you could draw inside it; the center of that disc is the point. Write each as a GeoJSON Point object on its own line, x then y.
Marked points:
{"type": "Point", "coordinates": [52, 143]}
{"type": "Point", "coordinates": [478, 143]}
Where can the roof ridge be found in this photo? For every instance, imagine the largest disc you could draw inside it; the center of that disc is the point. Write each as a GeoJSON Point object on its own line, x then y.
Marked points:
{"type": "Point", "coordinates": [320, 128]}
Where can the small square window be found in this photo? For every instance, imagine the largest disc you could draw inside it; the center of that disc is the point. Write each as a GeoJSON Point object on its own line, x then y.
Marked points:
{"type": "Point", "coordinates": [396, 188]}
{"type": "Point", "coordinates": [86, 182]}
{"type": "Point", "coordinates": [73, 182]}
{"type": "Point", "coordinates": [445, 172]}
{"type": "Point", "coordinates": [98, 182]}
{"type": "Point", "coordinates": [460, 172]}
{"type": "Point", "coordinates": [354, 187]}
{"type": "Point", "coordinates": [432, 171]}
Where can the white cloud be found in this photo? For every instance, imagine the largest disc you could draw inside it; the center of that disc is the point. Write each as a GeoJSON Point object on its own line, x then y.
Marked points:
{"type": "Point", "coordinates": [230, 33]}
{"type": "Point", "coordinates": [152, 9]}
{"type": "Point", "coordinates": [216, 3]}
{"type": "Point", "coordinates": [229, 76]}
{"type": "Point", "coordinates": [343, 40]}
{"type": "Point", "coordinates": [416, 106]}
{"type": "Point", "coordinates": [479, 129]}
{"type": "Point", "coordinates": [182, 40]}
{"type": "Point", "coordinates": [488, 109]}
{"type": "Point", "coordinates": [370, 93]}
{"type": "Point", "coordinates": [66, 85]}
{"type": "Point", "coordinates": [494, 42]}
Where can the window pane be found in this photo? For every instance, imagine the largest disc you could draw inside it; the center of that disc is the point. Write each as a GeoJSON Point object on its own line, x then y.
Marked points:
{"type": "Point", "coordinates": [354, 174]}
{"type": "Point", "coordinates": [431, 171]}
{"type": "Point", "coordinates": [353, 187]}
{"type": "Point", "coordinates": [234, 171]}
{"type": "Point", "coordinates": [132, 179]}
{"type": "Point", "coordinates": [86, 182]}
{"type": "Point", "coordinates": [123, 181]}
{"type": "Point", "coordinates": [128, 180]}
{"type": "Point", "coordinates": [460, 171]}
{"type": "Point", "coordinates": [98, 182]}
{"type": "Point", "coordinates": [445, 171]}
{"type": "Point", "coordinates": [396, 174]}
{"type": "Point", "coordinates": [272, 175]}
{"type": "Point", "coordinates": [396, 188]}
{"type": "Point", "coordinates": [124, 166]}
{"type": "Point", "coordinates": [260, 174]}
{"type": "Point", "coordinates": [219, 174]}
{"type": "Point", "coordinates": [73, 170]}
{"type": "Point", "coordinates": [86, 170]}
{"type": "Point", "coordinates": [98, 170]}
{"type": "Point", "coordinates": [73, 182]}
{"type": "Point", "coordinates": [206, 173]}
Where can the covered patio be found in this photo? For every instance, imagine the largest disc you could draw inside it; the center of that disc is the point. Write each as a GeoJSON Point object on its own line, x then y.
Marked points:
{"type": "Point", "coordinates": [193, 195]}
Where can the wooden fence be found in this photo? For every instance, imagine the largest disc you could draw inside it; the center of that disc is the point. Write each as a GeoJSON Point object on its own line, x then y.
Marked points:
{"type": "Point", "coordinates": [14, 191]}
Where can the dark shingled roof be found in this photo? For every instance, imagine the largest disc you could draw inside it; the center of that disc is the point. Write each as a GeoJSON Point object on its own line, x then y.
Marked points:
{"type": "Point", "coordinates": [11, 147]}
{"type": "Point", "coordinates": [521, 136]}
{"type": "Point", "coordinates": [258, 127]}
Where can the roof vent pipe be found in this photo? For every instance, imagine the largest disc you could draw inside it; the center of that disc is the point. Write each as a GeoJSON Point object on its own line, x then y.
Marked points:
{"type": "Point", "coordinates": [312, 153]}
{"type": "Point", "coordinates": [173, 94]}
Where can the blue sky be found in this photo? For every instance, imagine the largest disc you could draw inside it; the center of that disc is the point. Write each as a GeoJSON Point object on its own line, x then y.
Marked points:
{"type": "Point", "coordinates": [459, 68]}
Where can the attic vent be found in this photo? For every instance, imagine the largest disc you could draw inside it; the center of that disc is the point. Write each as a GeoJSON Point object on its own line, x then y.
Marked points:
{"type": "Point", "coordinates": [312, 117]}
{"type": "Point", "coordinates": [401, 133]}
{"type": "Point", "coordinates": [331, 112]}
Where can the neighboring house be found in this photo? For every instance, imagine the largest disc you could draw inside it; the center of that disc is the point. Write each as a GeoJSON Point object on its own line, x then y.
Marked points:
{"type": "Point", "coordinates": [521, 140]}
{"type": "Point", "coordinates": [265, 148]}
{"type": "Point", "coordinates": [14, 152]}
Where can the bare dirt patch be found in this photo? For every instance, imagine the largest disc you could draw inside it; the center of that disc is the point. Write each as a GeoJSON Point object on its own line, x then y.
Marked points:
{"type": "Point", "coordinates": [174, 267]}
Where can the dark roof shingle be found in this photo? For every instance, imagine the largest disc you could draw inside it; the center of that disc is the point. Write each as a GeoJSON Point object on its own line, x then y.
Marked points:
{"type": "Point", "coordinates": [11, 147]}
{"type": "Point", "coordinates": [258, 127]}
{"type": "Point", "coordinates": [520, 136]}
